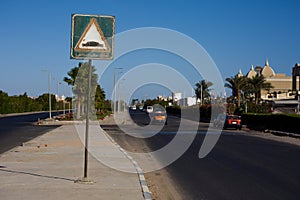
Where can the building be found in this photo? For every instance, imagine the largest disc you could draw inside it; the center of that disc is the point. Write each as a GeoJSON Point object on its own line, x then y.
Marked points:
{"type": "Point", "coordinates": [296, 74]}
{"type": "Point", "coordinates": [282, 84]}
{"type": "Point", "coordinates": [188, 101]}
{"type": "Point", "coordinates": [176, 96]}
{"type": "Point", "coordinates": [62, 98]}
{"type": "Point", "coordinates": [162, 98]}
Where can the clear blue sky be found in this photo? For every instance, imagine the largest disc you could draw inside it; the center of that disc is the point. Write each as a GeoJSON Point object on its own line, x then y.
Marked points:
{"type": "Point", "coordinates": [35, 35]}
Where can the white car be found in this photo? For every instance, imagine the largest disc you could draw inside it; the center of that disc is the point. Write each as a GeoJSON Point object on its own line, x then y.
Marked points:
{"type": "Point", "coordinates": [149, 109]}
{"type": "Point", "coordinates": [133, 107]}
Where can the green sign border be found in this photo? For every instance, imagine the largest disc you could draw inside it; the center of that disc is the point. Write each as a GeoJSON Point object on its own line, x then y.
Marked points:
{"type": "Point", "coordinates": [79, 25]}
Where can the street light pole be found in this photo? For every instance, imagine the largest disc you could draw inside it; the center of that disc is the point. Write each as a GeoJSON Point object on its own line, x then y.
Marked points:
{"type": "Point", "coordinates": [119, 96]}
{"type": "Point", "coordinates": [201, 95]}
{"type": "Point", "coordinates": [57, 101]}
{"type": "Point", "coordinates": [49, 91]}
{"type": "Point", "coordinates": [115, 89]}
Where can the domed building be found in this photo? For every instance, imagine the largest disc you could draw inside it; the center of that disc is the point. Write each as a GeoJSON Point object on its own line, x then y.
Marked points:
{"type": "Point", "coordinates": [240, 74]}
{"type": "Point", "coordinates": [282, 84]}
{"type": "Point", "coordinates": [251, 73]}
{"type": "Point", "coordinates": [267, 71]}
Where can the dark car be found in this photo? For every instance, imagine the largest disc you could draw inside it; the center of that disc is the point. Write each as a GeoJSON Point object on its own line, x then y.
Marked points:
{"type": "Point", "coordinates": [228, 121]}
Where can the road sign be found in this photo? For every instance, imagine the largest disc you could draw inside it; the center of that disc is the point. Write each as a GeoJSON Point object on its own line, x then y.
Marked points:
{"type": "Point", "coordinates": [92, 37]}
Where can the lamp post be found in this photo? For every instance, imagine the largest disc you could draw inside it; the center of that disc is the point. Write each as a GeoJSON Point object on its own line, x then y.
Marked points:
{"type": "Point", "coordinates": [201, 95]}
{"type": "Point", "coordinates": [57, 100]}
{"type": "Point", "coordinates": [115, 88]}
{"type": "Point", "coordinates": [119, 95]}
{"type": "Point", "coordinates": [49, 90]}
{"type": "Point", "coordinates": [49, 93]}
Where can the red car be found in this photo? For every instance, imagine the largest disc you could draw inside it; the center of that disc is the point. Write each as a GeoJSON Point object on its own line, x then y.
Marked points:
{"type": "Point", "coordinates": [228, 121]}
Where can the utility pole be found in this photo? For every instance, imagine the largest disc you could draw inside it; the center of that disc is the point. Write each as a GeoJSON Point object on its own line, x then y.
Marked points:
{"type": "Point", "coordinates": [49, 93]}
{"type": "Point", "coordinates": [201, 95]}
{"type": "Point", "coordinates": [49, 90]}
{"type": "Point", "coordinates": [115, 89]}
{"type": "Point", "coordinates": [57, 101]}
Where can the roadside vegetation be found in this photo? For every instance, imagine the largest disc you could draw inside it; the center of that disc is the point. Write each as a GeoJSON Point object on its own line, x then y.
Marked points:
{"type": "Point", "coordinates": [256, 113]}
{"type": "Point", "coordinates": [24, 103]}
{"type": "Point", "coordinates": [246, 94]}
{"type": "Point", "coordinates": [78, 79]}
{"type": "Point", "coordinates": [278, 122]}
{"type": "Point", "coordinates": [245, 100]}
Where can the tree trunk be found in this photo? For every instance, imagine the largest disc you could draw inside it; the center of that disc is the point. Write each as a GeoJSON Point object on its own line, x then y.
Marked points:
{"type": "Point", "coordinates": [78, 109]}
{"type": "Point", "coordinates": [239, 98]}
{"type": "Point", "coordinates": [256, 98]}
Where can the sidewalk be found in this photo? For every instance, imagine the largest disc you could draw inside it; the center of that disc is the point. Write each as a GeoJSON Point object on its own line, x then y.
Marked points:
{"type": "Point", "coordinates": [46, 168]}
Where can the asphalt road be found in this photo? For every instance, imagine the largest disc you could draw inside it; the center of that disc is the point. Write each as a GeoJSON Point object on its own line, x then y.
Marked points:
{"type": "Point", "coordinates": [17, 129]}
{"type": "Point", "coordinates": [239, 167]}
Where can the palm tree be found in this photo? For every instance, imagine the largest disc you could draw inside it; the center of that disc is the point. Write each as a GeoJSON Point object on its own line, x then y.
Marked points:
{"type": "Point", "coordinates": [202, 90]}
{"type": "Point", "coordinates": [71, 81]}
{"type": "Point", "coordinates": [256, 84]}
{"type": "Point", "coordinates": [72, 75]}
{"type": "Point", "coordinates": [236, 84]}
{"type": "Point", "coordinates": [99, 98]}
{"type": "Point", "coordinates": [78, 78]}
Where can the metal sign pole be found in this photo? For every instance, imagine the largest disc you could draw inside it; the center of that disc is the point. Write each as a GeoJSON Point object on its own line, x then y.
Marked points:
{"type": "Point", "coordinates": [85, 179]}
{"type": "Point", "coordinates": [87, 119]}
{"type": "Point", "coordinates": [92, 38]}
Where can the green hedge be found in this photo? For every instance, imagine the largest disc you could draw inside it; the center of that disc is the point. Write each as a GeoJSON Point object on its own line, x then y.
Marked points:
{"type": "Point", "coordinates": [279, 122]}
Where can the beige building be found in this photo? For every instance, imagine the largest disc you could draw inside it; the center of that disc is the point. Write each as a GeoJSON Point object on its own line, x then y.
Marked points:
{"type": "Point", "coordinates": [282, 84]}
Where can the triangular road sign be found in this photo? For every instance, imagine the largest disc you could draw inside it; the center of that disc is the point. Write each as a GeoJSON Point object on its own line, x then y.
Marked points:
{"type": "Point", "coordinates": [92, 39]}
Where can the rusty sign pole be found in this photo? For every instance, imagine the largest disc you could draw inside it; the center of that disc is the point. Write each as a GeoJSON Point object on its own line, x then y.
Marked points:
{"type": "Point", "coordinates": [88, 105]}
{"type": "Point", "coordinates": [92, 39]}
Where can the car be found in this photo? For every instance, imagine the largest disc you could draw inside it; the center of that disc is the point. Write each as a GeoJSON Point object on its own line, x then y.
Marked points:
{"type": "Point", "coordinates": [133, 107]}
{"type": "Point", "coordinates": [159, 115]}
{"type": "Point", "coordinates": [228, 121]}
{"type": "Point", "coordinates": [149, 109]}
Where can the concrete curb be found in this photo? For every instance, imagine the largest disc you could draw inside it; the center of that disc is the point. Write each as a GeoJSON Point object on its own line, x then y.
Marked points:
{"type": "Point", "coordinates": [142, 179]}
{"type": "Point", "coordinates": [281, 133]}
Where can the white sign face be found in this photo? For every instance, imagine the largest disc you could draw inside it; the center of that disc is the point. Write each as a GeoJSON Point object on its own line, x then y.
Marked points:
{"type": "Point", "coordinates": [92, 38]}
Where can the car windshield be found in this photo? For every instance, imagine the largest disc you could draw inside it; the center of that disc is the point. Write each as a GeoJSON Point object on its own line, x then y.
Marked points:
{"type": "Point", "coordinates": [233, 117]}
